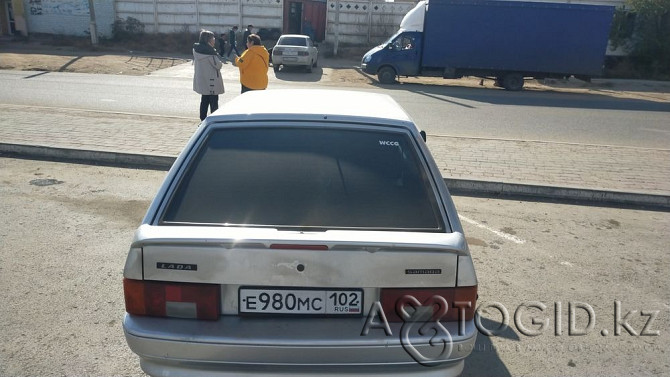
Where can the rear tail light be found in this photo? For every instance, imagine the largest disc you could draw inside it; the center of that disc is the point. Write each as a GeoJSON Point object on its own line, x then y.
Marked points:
{"type": "Point", "coordinates": [277, 51]}
{"type": "Point", "coordinates": [167, 299]}
{"type": "Point", "coordinates": [460, 302]}
{"type": "Point", "coordinates": [303, 53]}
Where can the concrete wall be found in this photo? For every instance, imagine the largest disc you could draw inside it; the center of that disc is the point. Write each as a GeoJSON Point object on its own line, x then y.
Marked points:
{"type": "Point", "coordinates": [68, 17]}
{"type": "Point", "coordinates": [167, 16]}
{"type": "Point", "coordinates": [360, 21]}
{"type": "Point", "coordinates": [363, 22]}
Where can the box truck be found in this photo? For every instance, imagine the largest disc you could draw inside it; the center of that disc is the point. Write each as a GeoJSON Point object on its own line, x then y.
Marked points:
{"type": "Point", "coordinates": [507, 41]}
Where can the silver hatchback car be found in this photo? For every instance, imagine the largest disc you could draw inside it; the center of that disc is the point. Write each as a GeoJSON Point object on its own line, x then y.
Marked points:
{"type": "Point", "coordinates": [302, 232]}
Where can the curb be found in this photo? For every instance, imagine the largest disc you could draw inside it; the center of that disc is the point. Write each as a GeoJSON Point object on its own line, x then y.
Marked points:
{"type": "Point", "coordinates": [114, 159]}
{"type": "Point", "coordinates": [456, 186]}
{"type": "Point", "coordinates": [581, 195]}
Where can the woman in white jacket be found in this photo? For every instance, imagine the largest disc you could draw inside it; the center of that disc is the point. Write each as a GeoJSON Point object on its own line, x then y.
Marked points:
{"type": "Point", "coordinates": [207, 79]}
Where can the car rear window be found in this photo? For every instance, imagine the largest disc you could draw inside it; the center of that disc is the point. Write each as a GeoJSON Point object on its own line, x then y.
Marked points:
{"type": "Point", "coordinates": [306, 178]}
{"type": "Point", "coordinates": [292, 41]}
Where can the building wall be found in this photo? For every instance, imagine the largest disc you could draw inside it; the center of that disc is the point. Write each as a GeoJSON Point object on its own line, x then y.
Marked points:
{"type": "Point", "coordinates": [68, 17]}
{"type": "Point", "coordinates": [363, 22]}
{"type": "Point", "coordinates": [360, 21]}
{"type": "Point", "coordinates": [167, 16]}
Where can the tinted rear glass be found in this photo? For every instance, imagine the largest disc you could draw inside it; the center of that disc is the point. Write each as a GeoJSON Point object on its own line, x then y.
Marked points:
{"type": "Point", "coordinates": [306, 177]}
{"type": "Point", "coordinates": [292, 41]}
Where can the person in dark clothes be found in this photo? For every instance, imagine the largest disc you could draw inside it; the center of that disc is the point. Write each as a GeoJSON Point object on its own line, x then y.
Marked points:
{"type": "Point", "coordinates": [232, 41]}
{"type": "Point", "coordinates": [246, 35]}
{"type": "Point", "coordinates": [221, 41]}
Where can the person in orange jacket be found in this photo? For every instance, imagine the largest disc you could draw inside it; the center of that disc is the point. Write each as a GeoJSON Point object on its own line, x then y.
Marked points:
{"type": "Point", "coordinates": [253, 65]}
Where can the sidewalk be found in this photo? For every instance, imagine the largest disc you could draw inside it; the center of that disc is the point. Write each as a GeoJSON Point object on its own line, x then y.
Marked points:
{"type": "Point", "coordinates": [491, 167]}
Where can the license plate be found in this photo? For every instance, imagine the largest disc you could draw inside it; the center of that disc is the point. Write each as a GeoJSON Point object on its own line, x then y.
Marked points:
{"type": "Point", "coordinates": [301, 301]}
{"type": "Point", "coordinates": [290, 53]}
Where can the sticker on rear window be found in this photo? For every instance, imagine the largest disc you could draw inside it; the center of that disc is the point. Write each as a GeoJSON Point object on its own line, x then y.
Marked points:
{"type": "Point", "coordinates": [389, 143]}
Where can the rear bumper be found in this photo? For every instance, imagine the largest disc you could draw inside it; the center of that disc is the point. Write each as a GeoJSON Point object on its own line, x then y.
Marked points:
{"type": "Point", "coordinates": [292, 60]}
{"type": "Point", "coordinates": [256, 346]}
{"type": "Point", "coordinates": [181, 369]}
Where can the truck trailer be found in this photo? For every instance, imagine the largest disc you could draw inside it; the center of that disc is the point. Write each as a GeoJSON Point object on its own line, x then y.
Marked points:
{"type": "Point", "coordinates": [504, 40]}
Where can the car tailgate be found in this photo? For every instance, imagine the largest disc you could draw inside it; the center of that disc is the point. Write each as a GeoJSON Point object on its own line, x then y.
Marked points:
{"type": "Point", "coordinates": [293, 258]}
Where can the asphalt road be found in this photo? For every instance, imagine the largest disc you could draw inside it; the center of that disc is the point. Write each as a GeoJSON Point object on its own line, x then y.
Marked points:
{"type": "Point", "coordinates": [66, 228]}
{"type": "Point", "coordinates": [438, 109]}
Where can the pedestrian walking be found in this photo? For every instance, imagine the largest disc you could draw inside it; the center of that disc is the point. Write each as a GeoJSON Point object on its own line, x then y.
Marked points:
{"type": "Point", "coordinates": [253, 65]}
{"type": "Point", "coordinates": [247, 32]}
{"type": "Point", "coordinates": [232, 41]}
{"type": "Point", "coordinates": [221, 41]}
{"type": "Point", "coordinates": [207, 80]}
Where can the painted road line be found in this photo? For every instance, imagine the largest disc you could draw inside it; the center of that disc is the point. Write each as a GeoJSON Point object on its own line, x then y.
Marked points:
{"type": "Point", "coordinates": [498, 233]}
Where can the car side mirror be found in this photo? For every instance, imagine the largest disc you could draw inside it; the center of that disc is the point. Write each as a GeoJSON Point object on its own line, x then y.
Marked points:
{"type": "Point", "coordinates": [423, 135]}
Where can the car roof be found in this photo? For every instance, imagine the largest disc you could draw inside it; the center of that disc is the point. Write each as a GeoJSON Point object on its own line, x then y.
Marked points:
{"type": "Point", "coordinates": [313, 104]}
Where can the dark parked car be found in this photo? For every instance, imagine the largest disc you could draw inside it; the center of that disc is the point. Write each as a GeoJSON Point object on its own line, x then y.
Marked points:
{"type": "Point", "coordinates": [271, 34]}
